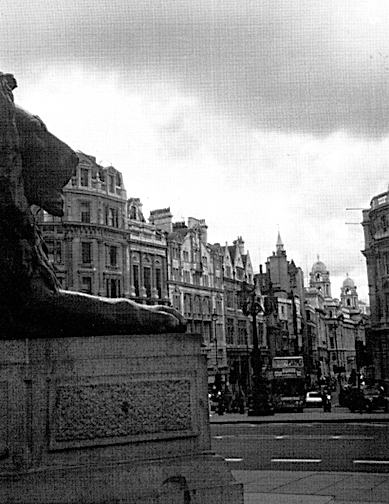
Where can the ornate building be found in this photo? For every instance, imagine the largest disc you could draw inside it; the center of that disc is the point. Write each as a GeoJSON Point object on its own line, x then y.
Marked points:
{"type": "Point", "coordinates": [285, 328]}
{"type": "Point", "coordinates": [376, 232]}
{"type": "Point", "coordinates": [102, 245]}
{"type": "Point", "coordinates": [195, 279]}
{"type": "Point", "coordinates": [344, 324]}
{"type": "Point", "coordinates": [237, 278]}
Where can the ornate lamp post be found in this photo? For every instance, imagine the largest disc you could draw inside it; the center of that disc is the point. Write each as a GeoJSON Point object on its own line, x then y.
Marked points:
{"type": "Point", "coordinates": [261, 398]}
{"type": "Point", "coordinates": [214, 320]}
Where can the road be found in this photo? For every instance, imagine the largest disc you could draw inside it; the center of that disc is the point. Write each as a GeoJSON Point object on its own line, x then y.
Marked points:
{"type": "Point", "coordinates": [304, 446]}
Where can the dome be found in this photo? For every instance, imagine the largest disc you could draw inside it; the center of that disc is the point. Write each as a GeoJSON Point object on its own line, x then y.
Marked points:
{"type": "Point", "coordinates": [319, 267]}
{"type": "Point", "coordinates": [349, 282]}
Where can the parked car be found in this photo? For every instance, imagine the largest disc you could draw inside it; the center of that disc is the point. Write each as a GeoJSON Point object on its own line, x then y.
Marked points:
{"type": "Point", "coordinates": [313, 399]}
{"type": "Point", "coordinates": [368, 398]}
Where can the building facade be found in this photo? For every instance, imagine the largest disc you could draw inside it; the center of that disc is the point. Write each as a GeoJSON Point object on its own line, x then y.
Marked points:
{"type": "Point", "coordinates": [102, 245]}
{"type": "Point", "coordinates": [285, 327]}
{"type": "Point", "coordinates": [376, 233]}
{"type": "Point", "coordinates": [195, 285]}
{"type": "Point", "coordinates": [340, 326]}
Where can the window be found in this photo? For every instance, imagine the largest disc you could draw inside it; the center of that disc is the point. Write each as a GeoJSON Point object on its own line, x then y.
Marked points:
{"type": "Point", "coordinates": [147, 280]}
{"type": "Point", "coordinates": [86, 253]}
{"type": "Point", "coordinates": [135, 274]}
{"type": "Point", "coordinates": [84, 177]}
{"type": "Point", "coordinates": [54, 251]}
{"type": "Point", "coordinates": [86, 285]}
{"type": "Point", "coordinates": [197, 306]}
{"type": "Point", "coordinates": [228, 271]}
{"type": "Point", "coordinates": [205, 281]}
{"type": "Point", "coordinates": [177, 301]}
{"type": "Point", "coordinates": [241, 332]}
{"type": "Point", "coordinates": [387, 304]}
{"type": "Point", "coordinates": [186, 255]}
{"type": "Point", "coordinates": [230, 331]}
{"type": "Point", "coordinates": [158, 282]}
{"type": "Point", "coordinates": [205, 260]}
{"type": "Point", "coordinates": [85, 211]}
{"type": "Point", "coordinates": [186, 276]}
{"type": "Point", "coordinates": [111, 180]}
{"type": "Point", "coordinates": [206, 306]}
{"type": "Point", "coordinates": [386, 262]}
{"type": "Point", "coordinates": [118, 180]}
{"type": "Point", "coordinates": [113, 288]}
{"type": "Point", "coordinates": [113, 255]}
{"type": "Point", "coordinates": [188, 305]}
{"type": "Point", "coordinates": [50, 218]}
{"type": "Point", "coordinates": [111, 217]}
{"type": "Point", "coordinates": [229, 299]}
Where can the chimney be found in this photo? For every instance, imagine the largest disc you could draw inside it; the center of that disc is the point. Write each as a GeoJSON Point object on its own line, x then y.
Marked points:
{"type": "Point", "coordinates": [162, 219]}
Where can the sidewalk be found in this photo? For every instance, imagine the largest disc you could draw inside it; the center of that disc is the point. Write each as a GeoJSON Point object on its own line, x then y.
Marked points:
{"type": "Point", "coordinates": [310, 487]}
{"type": "Point", "coordinates": [303, 487]}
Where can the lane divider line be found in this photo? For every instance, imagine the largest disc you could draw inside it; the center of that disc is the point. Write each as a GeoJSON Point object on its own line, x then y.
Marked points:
{"type": "Point", "coordinates": [232, 459]}
{"type": "Point", "coordinates": [315, 461]}
{"type": "Point", "coordinates": [371, 461]}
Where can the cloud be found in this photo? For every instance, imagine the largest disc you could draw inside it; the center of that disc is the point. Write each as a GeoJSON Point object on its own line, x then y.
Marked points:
{"type": "Point", "coordinates": [252, 115]}
{"type": "Point", "coordinates": [313, 67]}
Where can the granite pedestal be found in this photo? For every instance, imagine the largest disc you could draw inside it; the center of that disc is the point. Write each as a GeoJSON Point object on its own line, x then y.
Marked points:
{"type": "Point", "coordinates": [108, 419]}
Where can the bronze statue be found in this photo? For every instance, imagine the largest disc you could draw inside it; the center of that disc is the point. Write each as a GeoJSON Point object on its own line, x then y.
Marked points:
{"type": "Point", "coordinates": [34, 167]}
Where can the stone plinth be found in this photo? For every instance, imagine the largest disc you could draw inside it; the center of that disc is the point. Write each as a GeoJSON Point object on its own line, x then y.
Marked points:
{"type": "Point", "coordinates": [108, 419]}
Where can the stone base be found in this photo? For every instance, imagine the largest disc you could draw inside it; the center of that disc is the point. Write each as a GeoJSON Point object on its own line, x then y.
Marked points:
{"type": "Point", "coordinates": [108, 419]}
{"type": "Point", "coordinates": [198, 479]}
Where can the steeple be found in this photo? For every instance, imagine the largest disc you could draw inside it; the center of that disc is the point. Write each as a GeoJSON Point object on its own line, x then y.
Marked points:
{"type": "Point", "coordinates": [279, 245]}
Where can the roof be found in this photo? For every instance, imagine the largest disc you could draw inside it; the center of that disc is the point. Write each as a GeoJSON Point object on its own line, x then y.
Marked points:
{"type": "Point", "coordinates": [319, 266]}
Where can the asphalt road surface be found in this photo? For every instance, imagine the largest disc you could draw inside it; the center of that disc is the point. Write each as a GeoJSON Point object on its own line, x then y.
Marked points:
{"type": "Point", "coordinates": [305, 447]}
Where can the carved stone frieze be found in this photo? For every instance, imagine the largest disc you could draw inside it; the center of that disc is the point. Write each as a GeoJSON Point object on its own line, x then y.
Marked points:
{"type": "Point", "coordinates": [109, 413]}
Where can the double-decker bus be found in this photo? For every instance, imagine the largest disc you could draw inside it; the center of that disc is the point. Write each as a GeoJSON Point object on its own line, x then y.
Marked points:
{"type": "Point", "coordinates": [288, 387]}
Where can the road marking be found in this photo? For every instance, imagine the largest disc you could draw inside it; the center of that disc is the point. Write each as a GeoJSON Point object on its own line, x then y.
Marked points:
{"type": "Point", "coordinates": [296, 437]}
{"type": "Point", "coordinates": [232, 459]}
{"type": "Point", "coordinates": [315, 461]}
{"type": "Point", "coordinates": [371, 461]}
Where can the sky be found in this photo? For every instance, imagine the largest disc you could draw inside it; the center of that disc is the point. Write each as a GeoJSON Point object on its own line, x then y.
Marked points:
{"type": "Point", "coordinates": [258, 116]}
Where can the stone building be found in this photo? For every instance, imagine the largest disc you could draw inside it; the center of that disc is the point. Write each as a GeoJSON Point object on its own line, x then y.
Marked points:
{"type": "Point", "coordinates": [102, 245]}
{"type": "Point", "coordinates": [195, 282]}
{"type": "Point", "coordinates": [285, 329]}
{"type": "Point", "coordinates": [238, 277]}
{"type": "Point", "coordinates": [376, 233]}
{"type": "Point", "coordinates": [344, 324]}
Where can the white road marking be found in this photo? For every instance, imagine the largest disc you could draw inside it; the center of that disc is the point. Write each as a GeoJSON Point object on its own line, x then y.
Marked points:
{"type": "Point", "coordinates": [232, 459]}
{"type": "Point", "coordinates": [298, 437]}
{"type": "Point", "coordinates": [316, 461]}
{"type": "Point", "coordinates": [371, 461]}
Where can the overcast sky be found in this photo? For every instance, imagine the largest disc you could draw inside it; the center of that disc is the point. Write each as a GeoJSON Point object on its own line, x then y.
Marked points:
{"type": "Point", "coordinates": [253, 115]}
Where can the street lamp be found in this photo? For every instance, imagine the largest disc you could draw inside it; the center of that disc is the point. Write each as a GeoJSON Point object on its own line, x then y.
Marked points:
{"type": "Point", "coordinates": [260, 397]}
{"type": "Point", "coordinates": [214, 320]}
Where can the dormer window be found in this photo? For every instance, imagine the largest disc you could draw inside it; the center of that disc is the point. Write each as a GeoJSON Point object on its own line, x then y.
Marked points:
{"type": "Point", "coordinates": [84, 177]}
{"type": "Point", "coordinates": [111, 184]}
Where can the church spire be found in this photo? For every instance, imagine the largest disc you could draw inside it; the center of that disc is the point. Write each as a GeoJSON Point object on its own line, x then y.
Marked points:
{"type": "Point", "coordinates": [279, 244]}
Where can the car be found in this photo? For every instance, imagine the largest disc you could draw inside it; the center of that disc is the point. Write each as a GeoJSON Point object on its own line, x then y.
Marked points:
{"type": "Point", "coordinates": [368, 398]}
{"type": "Point", "coordinates": [313, 399]}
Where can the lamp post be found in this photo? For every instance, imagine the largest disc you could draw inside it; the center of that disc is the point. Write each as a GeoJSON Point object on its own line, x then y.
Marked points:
{"type": "Point", "coordinates": [261, 400]}
{"type": "Point", "coordinates": [214, 320]}
{"type": "Point", "coordinates": [218, 382]}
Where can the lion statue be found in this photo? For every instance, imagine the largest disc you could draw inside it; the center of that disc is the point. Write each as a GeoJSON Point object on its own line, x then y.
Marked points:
{"type": "Point", "coordinates": [34, 167]}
